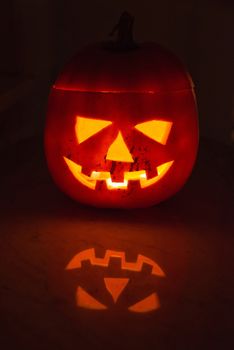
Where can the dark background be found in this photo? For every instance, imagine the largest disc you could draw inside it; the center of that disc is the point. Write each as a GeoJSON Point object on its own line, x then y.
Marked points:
{"type": "Point", "coordinates": [190, 236]}
{"type": "Point", "coordinates": [37, 37]}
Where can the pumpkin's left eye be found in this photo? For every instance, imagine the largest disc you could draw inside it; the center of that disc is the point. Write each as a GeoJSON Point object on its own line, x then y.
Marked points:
{"type": "Point", "coordinates": [87, 127]}
{"type": "Point", "coordinates": [158, 130]}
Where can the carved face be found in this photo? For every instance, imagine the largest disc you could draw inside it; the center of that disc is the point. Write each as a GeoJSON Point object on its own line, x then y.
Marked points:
{"type": "Point", "coordinates": [118, 155]}
{"type": "Point", "coordinates": [115, 281]}
{"type": "Point", "coordinates": [121, 148]}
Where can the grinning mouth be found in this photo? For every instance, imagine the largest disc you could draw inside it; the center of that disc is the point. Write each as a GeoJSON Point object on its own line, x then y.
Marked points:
{"type": "Point", "coordinates": [140, 175]}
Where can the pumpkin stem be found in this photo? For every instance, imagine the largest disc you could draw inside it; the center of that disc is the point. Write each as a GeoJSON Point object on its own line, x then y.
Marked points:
{"type": "Point", "coordinates": [124, 37]}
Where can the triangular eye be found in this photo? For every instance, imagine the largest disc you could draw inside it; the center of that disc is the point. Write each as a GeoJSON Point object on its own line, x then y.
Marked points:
{"type": "Point", "coordinates": [148, 304]}
{"type": "Point", "coordinates": [85, 300]}
{"type": "Point", "coordinates": [87, 127]}
{"type": "Point", "coordinates": [158, 130]}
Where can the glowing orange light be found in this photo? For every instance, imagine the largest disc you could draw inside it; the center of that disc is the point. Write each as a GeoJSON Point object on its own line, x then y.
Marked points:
{"type": "Point", "coordinates": [89, 254]}
{"type": "Point", "coordinates": [115, 286]}
{"type": "Point", "coordinates": [76, 172]}
{"type": "Point", "coordinates": [116, 185]}
{"type": "Point", "coordinates": [118, 151]}
{"type": "Point", "coordinates": [158, 130]}
{"type": "Point", "coordinates": [148, 304]}
{"type": "Point", "coordinates": [138, 109]}
{"type": "Point", "coordinates": [85, 300]}
{"type": "Point", "coordinates": [135, 175]}
{"type": "Point", "coordinates": [161, 169]}
{"type": "Point", "coordinates": [86, 127]}
{"type": "Point", "coordinates": [90, 181]}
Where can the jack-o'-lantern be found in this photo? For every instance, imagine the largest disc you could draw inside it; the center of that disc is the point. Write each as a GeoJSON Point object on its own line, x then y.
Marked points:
{"type": "Point", "coordinates": [122, 126]}
{"type": "Point", "coordinates": [113, 281]}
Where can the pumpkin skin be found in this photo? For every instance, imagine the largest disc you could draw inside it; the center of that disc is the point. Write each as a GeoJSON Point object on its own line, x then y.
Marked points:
{"type": "Point", "coordinates": [126, 89]}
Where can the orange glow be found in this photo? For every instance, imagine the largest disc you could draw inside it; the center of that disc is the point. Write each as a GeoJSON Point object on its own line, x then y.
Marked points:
{"type": "Point", "coordinates": [100, 175]}
{"type": "Point", "coordinates": [118, 151]}
{"type": "Point", "coordinates": [89, 255]}
{"type": "Point", "coordinates": [116, 185]}
{"type": "Point", "coordinates": [86, 127]}
{"type": "Point", "coordinates": [120, 117]}
{"type": "Point", "coordinates": [158, 130]}
{"type": "Point", "coordinates": [148, 304]}
{"type": "Point", "coordinates": [135, 175]}
{"type": "Point", "coordinates": [76, 172]}
{"type": "Point", "coordinates": [161, 169]}
{"type": "Point", "coordinates": [115, 286]}
{"type": "Point", "coordinates": [90, 181]}
{"type": "Point", "coordinates": [85, 300]}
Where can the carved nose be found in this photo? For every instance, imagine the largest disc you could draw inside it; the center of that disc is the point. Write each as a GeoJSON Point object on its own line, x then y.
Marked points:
{"type": "Point", "coordinates": [118, 150]}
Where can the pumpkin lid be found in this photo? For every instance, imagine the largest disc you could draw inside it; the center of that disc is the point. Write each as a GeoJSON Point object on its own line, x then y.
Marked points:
{"type": "Point", "coordinates": [148, 68]}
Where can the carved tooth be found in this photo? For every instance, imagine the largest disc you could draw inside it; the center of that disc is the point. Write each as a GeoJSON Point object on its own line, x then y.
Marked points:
{"type": "Point", "coordinates": [100, 175]}
{"type": "Point", "coordinates": [135, 175]}
{"type": "Point", "coordinates": [162, 170]}
{"type": "Point", "coordinates": [98, 179]}
{"type": "Point", "coordinates": [116, 185]}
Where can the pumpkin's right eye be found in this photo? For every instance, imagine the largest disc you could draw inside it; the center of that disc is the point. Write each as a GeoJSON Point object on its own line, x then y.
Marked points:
{"type": "Point", "coordinates": [158, 130]}
{"type": "Point", "coordinates": [87, 127]}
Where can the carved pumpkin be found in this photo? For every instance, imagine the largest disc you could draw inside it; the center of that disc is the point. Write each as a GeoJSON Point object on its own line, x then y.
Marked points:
{"type": "Point", "coordinates": [116, 280]}
{"type": "Point", "coordinates": [122, 127]}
